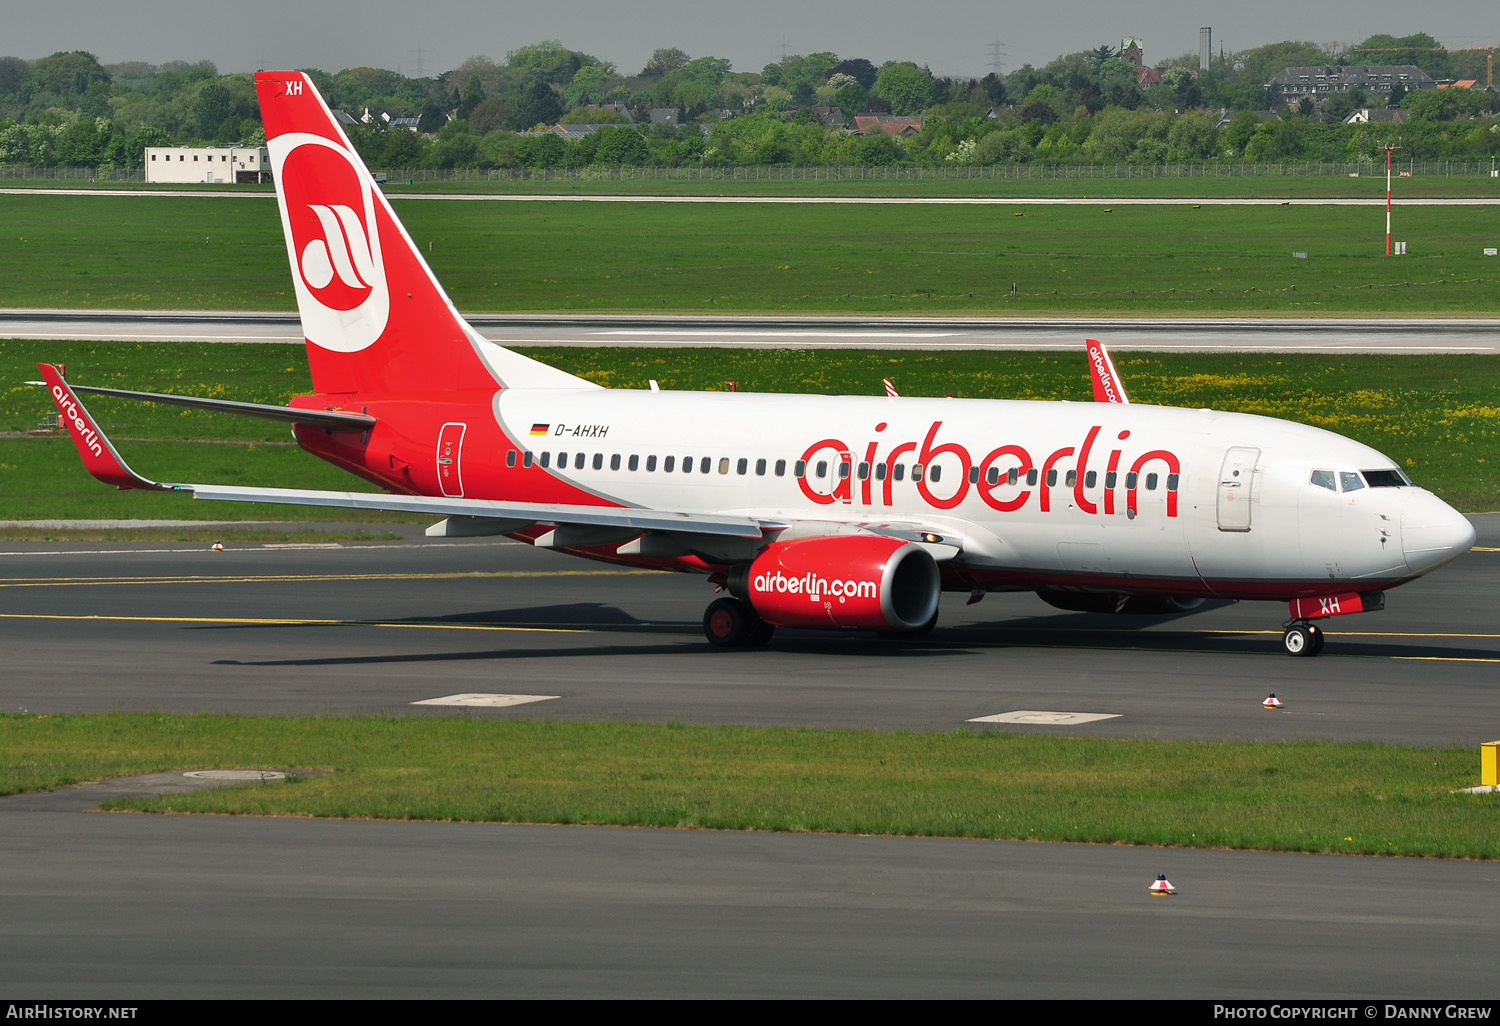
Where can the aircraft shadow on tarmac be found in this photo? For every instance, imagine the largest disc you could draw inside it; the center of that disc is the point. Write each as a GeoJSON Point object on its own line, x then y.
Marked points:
{"type": "Point", "coordinates": [1079, 631]}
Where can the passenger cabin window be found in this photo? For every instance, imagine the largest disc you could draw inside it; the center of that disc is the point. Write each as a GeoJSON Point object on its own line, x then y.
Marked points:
{"type": "Point", "coordinates": [723, 464]}
{"type": "Point", "coordinates": [687, 464]}
{"type": "Point", "coordinates": [1349, 481]}
{"type": "Point", "coordinates": [668, 464]}
{"type": "Point", "coordinates": [635, 462]}
{"type": "Point", "coordinates": [614, 462]}
{"type": "Point", "coordinates": [704, 464]}
{"type": "Point", "coordinates": [526, 460]}
{"type": "Point", "coordinates": [1324, 479]}
{"type": "Point", "coordinates": [1092, 476]}
{"type": "Point", "coordinates": [800, 469]}
{"type": "Point", "coordinates": [934, 473]}
{"type": "Point", "coordinates": [546, 457]}
{"type": "Point", "coordinates": [781, 468]}
{"type": "Point", "coordinates": [510, 458]}
{"type": "Point", "coordinates": [599, 461]}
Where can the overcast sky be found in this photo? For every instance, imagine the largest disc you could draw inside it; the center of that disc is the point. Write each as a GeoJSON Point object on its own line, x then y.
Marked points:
{"type": "Point", "coordinates": [953, 37]}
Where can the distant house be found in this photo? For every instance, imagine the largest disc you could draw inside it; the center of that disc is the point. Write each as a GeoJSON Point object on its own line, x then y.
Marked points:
{"type": "Point", "coordinates": [389, 117]}
{"type": "Point", "coordinates": [343, 117]}
{"type": "Point", "coordinates": [1376, 116]}
{"type": "Point", "coordinates": [240, 164]}
{"type": "Point", "coordinates": [1134, 51]}
{"type": "Point", "coordinates": [890, 124]}
{"type": "Point", "coordinates": [831, 116]}
{"type": "Point", "coordinates": [1317, 82]}
{"type": "Point", "coordinates": [1226, 116]}
{"type": "Point", "coordinates": [1463, 83]}
{"type": "Point", "coordinates": [666, 116]}
{"type": "Point", "coordinates": [618, 108]}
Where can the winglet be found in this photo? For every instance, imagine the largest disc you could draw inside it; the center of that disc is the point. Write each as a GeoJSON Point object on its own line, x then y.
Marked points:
{"type": "Point", "coordinates": [99, 456]}
{"type": "Point", "coordinates": [1108, 388]}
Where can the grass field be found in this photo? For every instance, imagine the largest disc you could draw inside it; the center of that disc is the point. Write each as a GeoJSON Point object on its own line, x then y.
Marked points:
{"type": "Point", "coordinates": [1439, 416]}
{"type": "Point", "coordinates": [162, 253]}
{"type": "Point", "coordinates": [1301, 796]}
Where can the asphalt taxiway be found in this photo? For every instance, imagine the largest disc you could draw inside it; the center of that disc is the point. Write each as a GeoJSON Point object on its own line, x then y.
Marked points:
{"type": "Point", "coordinates": [373, 628]}
{"type": "Point", "coordinates": [145, 906]}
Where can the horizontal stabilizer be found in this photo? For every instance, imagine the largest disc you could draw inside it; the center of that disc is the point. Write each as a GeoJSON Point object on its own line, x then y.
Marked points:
{"type": "Point", "coordinates": [334, 419]}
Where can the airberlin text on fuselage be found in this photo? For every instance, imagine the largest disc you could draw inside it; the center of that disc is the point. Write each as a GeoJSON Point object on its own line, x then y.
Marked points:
{"type": "Point", "coordinates": [1002, 495]}
{"type": "Point", "coordinates": [85, 430]}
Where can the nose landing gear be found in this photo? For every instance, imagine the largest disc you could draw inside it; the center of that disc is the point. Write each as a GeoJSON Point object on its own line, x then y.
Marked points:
{"type": "Point", "coordinates": [1302, 638]}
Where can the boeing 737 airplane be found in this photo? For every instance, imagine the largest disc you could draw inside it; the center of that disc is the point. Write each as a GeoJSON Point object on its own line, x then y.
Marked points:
{"type": "Point", "coordinates": [810, 511]}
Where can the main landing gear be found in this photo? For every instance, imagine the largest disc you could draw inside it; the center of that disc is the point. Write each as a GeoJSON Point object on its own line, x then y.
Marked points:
{"type": "Point", "coordinates": [1302, 638]}
{"type": "Point", "coordinates": [730, 623]}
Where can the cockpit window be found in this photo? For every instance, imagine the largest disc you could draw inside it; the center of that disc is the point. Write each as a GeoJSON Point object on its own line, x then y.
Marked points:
{"type": "Point", "coordinates": [1349, 481]}
{"type": "Point", "coordinates": [1385, 478]}
{"type": "Point", "coordinates": [1324, 479]}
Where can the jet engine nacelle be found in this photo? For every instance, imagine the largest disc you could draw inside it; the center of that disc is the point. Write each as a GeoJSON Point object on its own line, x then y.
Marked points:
{"type": "Point", "coordinates": [861, 582]}
{"type": "Point", "coordinates": [1118, 602]}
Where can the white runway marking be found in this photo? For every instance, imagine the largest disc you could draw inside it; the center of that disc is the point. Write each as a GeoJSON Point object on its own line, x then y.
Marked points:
{"type": "Point", "coordinates": [488, 701]}
{"type": "Point", "coordinates": [1038, 718]}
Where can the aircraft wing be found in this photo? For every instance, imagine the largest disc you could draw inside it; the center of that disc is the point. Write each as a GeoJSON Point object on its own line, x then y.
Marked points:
{"type": "Point", "coordinates": [103, 462]}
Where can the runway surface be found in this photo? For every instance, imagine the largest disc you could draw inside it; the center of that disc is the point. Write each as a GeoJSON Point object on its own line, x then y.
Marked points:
{"type": "Point", "coordinates": [146, 906]}
{"type": "Point", "coordinates": [1251, 335]}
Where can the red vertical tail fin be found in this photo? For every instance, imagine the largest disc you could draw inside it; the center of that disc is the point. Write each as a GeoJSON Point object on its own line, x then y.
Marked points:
{"type": "Point", "coordinates": [374, 316]}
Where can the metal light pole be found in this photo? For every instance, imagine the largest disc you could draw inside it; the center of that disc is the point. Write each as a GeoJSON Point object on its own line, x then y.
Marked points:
{"type": "Point", "coordinates": [1388, 150]}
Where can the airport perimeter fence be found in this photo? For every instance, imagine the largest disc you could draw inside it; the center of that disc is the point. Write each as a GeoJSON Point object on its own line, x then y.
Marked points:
{"type": "Point", "coordinates": [886, 173]}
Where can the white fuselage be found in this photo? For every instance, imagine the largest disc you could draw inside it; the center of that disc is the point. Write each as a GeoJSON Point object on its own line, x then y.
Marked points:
{"type": "Point", "coordinates": [1130, 497]}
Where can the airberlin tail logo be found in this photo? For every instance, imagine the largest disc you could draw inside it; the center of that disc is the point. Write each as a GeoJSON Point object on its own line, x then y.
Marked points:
{"type": "Point", "coordinates": [343, 253]}
{"type": "Point", "coordinates": [329, 215]}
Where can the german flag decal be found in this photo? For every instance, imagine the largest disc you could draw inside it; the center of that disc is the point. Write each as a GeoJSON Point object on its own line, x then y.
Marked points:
{"type": "Point", "coordinates": [539, 429]}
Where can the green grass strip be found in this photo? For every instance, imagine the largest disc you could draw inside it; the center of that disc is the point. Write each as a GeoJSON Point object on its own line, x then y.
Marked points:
{"type": "Point", "coordinates": [152, 252]}
{"type": "Point", "coordinates": [1293, 796]}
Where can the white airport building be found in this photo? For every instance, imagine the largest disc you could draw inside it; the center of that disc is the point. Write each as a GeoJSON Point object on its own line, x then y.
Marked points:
{"type": "Point", "coordinates": [242, 164]}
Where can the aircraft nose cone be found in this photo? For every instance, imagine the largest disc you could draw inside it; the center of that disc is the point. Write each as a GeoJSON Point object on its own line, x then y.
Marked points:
{"type": "Point", "coordinates": [1433, 532]}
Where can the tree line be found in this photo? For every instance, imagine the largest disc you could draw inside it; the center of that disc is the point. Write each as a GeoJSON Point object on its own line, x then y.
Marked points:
{"type": "Point", "coordinates": [1090, 106]}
